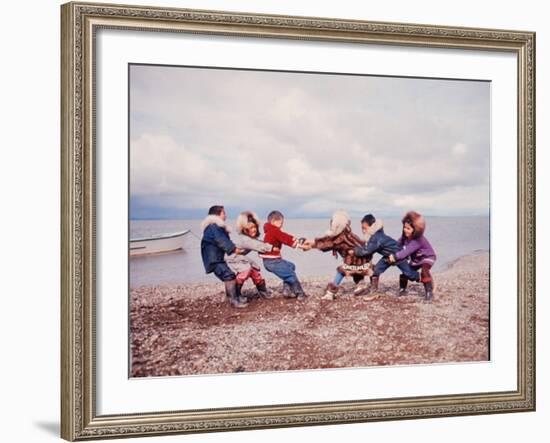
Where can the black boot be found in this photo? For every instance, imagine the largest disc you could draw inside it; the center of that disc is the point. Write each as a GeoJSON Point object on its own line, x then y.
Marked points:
{"type": "Point", "coordinates": [403, 281]}
{"type": "Point", "coordinates": [429, 290]}
{"type": "Point", "coordinates": [287, 291]}
{"type": "Point", "coordinates": [233, 292]}
{"type": "Point", "coordinates": [262, 290]}
{"type": "Point", "coordinates": [242, 298]}
{"type": "Point", "coordinates": [297, 290]}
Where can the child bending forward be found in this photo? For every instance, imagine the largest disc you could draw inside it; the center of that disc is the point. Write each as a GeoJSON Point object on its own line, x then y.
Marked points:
{"type": "Point", "coordinates": [340, 240]}
{"type": "Point", "coordinates": [244, 266]}
{"type": "Point", "coordinates": [417, 250]}
{"type": "Point", "coordinates": [274, 262]}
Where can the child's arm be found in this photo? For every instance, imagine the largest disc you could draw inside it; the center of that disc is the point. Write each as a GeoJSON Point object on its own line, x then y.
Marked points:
{"type": "Point", "coordinates": [286, 239]}
{"type": "Point", "coordinates": [408, 250]}
{"type": "Point", "coordinates": [252, 244]}
{"type": "Point", "coordinates": [323, 243]}
{"type": "Point", "coordinates": [366, 251]}
{"type": "Point", "coordinates": [224, 242]}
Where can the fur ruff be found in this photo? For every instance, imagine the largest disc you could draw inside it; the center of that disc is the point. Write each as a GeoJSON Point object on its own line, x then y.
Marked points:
{"type": "Point", "coordinates": [242, 221]}
{"type": "Point", "coordinates": [214, 220]}
{"type": "Point", "coordinates": [418, 223]}
{"type": "Point", "coordinates": [338, 222]}
{"type": "Point", "coordinates": [373, 229]}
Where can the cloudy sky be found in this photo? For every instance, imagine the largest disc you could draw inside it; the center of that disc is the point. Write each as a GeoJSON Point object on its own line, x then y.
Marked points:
{"type": "Point", "coordinates": [305, 144]}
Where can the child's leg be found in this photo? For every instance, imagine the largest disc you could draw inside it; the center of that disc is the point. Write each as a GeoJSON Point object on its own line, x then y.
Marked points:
{"type": "Point", "coordinates": [259, 281]}
{"type": "Point", "coordinates": [425, 274]}
{"type": "Point", "coordinates": [283, 269]}
{"type": "Point", "coordinates": [338, 278]}
{"type": "Point", "coordinates": [360, 283]}
{"type": "Point", "coordinates": [223, 272]}
{"type": "Point", "coordinates": [228, 277]}
{"type": "Point", "coordinates": [256, 276]}
{"type": "Point", "coordinates": [243, 276]}
{"type": "Point", "coordinates": [379, 269]}
{"type": "Point", "coordinates": [408, 271]}
{"type": "Point", "coordinates": [427, 280]}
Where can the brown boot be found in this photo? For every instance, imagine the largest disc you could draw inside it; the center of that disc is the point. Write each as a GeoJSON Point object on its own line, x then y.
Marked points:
{"type": "Point", "coordinates": [233, 293]}
{"type": "Point", "coordinates": [263, 292]}
{"type": "Point", "coordinates": [297, 290]}
{"type": "Point", "coordinates": [403, 281]}
{"type": "Point", "coordinates": [373, 290]}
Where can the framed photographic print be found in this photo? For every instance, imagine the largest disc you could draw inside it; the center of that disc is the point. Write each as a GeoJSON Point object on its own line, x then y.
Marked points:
{"type": "Point", "coordinates": [283, 221]}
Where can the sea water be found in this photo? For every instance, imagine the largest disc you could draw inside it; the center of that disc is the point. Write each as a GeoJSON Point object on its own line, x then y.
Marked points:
{"type": "Point", "coordinates": [451, 237]}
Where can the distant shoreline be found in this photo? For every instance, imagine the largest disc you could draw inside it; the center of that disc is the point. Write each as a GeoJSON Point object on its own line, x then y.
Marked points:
{"type": "Point", "coordinates": [319, 217]}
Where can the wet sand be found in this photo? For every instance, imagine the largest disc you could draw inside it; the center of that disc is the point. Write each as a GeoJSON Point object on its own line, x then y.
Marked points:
{"type": "Point", "coordinates": [192, 329]}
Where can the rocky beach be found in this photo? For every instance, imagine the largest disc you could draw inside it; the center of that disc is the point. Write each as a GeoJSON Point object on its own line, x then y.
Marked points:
{"type": "Point", "coordinates": [191, 329]}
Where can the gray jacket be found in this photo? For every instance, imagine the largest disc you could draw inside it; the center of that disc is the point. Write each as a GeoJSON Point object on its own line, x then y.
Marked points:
{"type": "Point", "coordinates": [243, 262]}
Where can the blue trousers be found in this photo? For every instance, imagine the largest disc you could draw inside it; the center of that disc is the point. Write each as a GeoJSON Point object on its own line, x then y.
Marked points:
{"type": "Point", "coordinates": [283, 269]}
{"type": "Point", "coordinates": [223, 272]}
{"type": "Point", "coordinates": [340, 276]}
{"type": "Point", "coordinates": [403, 265]}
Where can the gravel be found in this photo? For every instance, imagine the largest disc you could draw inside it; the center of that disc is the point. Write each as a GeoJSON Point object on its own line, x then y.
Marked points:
{"type": "Point", "coordinates": [192, 329]}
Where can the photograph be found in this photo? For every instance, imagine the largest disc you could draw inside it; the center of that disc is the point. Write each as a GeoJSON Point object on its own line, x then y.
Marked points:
{"type": "Point", "coordinates": [292, 221]}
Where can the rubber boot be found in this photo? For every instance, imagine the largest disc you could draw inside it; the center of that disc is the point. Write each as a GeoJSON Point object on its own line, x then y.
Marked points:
{"type": "Point", "coordinates": [373, 289]}
{"type": "Point", "coordinates": [429, 290]}
{"type": "Point", "coordinates": [361, 288]}
{"type": "Point", "coordinates": [330, 292]}
{"type": "Point", "coordinates": [262, 290]}
{"type": "Point", "coordinates": [242, 298]}
{"type": "Point", "coordinates": [233, 292]}
{"type": "Point", "coordinates": [403, 281]}
{"type": "Point", "coordinates": [287, 291]}
{"type": "Point", "coordinates": [297, 290]}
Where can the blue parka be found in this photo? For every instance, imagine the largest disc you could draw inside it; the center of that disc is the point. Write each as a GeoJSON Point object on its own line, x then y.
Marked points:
{"type": "Point", "coordinates": [378, 242]}
{"type": "Point", "coordinates": [215, 243]}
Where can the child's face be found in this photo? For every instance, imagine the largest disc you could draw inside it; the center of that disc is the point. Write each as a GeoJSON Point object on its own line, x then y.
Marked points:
{"type": "Point", "coordinates": [251, 230]}
{"type": "Point", "coordinates": [408, 230]}
{"type": "Point", "coordinates": [223, 215]}
{"type": "Point", "coordinates": [364, 227]}
{"type": "Point", "coordinates": [279, 223]}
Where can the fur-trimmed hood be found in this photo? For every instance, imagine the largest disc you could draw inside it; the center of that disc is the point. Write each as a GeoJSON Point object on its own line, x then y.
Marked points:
{"type": "Point", "coordinates": [338, 222]}
{"type": "Point", "coordinates": [214, 220]}
{"type": "Point", "coordinates": [418, 223]}
{"type": "Point", "coordinates": [242, 221]}
{"type": "Point", "coordinates": [373, 229]}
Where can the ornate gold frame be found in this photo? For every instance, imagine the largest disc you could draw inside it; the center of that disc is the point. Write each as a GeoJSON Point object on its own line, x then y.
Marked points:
{"type": "Point", "coordinates": [79, 420]}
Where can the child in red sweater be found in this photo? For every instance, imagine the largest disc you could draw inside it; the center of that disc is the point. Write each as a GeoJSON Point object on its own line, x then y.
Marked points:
{"type": "Point", "coordinates": [273, 261]}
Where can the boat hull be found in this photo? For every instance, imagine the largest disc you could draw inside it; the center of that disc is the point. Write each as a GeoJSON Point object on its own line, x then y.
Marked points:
{"type": "Point", "coordinates": [157, 245]}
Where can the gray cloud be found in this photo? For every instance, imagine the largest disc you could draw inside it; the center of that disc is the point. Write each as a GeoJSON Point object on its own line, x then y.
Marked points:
{"type": "Point", "coordinates": [308, 143]}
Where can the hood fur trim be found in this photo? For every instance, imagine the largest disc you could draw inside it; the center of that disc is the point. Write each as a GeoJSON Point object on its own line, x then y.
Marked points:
{"type": "Point", "coordinates": [418, 223]}
{"type": "Point", "coordinates": [214, 220]}
{"type": "Point", "coordinates": [373, 229]}
{"type": "Point", "coordinates": [338, 222]}
{"type": "Point", "coordinates": [242, 221]}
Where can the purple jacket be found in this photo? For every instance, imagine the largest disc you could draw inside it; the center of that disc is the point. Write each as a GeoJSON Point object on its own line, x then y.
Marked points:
{"type": "Point", "coordinates": [419, 250]}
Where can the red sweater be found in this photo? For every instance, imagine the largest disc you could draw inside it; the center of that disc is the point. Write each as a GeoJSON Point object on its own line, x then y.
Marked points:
{"type": "Point", "coordinates": [277, 238]}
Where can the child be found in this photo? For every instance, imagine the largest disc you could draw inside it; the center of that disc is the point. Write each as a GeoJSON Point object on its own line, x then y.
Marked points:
{"type": "Point", "coordinates": [415, 248]}
{"type": "Point", "coordinates": [215, 244]}
{"type": "Point", "coordinates": [378, 241]}
{"type": "Point", "coordinates": [340, 239]}
{"type": "Point", "coordinates": [273, 261]}
{"type": "Point", "coordinates": [243, 265]}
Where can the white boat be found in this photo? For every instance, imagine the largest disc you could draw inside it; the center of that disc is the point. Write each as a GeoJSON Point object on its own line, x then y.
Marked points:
{"type": "Point", "coordinates": [157, 244]}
